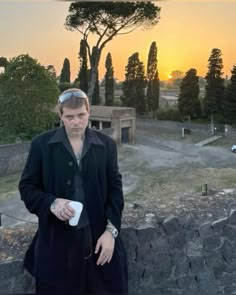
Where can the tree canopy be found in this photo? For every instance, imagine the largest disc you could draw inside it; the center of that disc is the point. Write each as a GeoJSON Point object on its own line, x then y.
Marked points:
{"type": "Point", "coordinates": [3, 62]}
{"type": "Point", "coordinates": [28, 94]}
{"type": "Point", "coordinates": [65, 72]}
{"type": "Point", "coordinates": [52, 71]}
{"type": "Point", "coordinates": [215, 84]}
{"type": "Point", "coordinates": [134, 84]}
{"type": "Point", "coordinates": [153, 83]}
{"type": "Point", "coordinates": [107, 20]}
{"type": "Point", "coordinates": [229, 105]}
{"type": "Point", "coordinates": [189, 103]}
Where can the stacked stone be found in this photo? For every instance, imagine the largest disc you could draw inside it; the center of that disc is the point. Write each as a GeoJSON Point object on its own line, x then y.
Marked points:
{"type": "Point", "coordinates": [173, 258]}
{"type": "Point", "coordinates": [165, 258]}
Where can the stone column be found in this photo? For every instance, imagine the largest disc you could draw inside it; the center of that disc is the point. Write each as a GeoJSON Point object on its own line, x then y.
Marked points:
{"type": "Point", "coordinates": [100, 125]}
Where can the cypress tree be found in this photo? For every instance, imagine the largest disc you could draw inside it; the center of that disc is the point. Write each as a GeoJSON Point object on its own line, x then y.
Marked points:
{"type": "Point", "coordinates": [215, 84]}
{"type": "Point", "coordinates": [65, 72]}
{"type": "Point", "coordinates": [134, 84]}
{"type": "Point", "coordinates": [96, 94]}
{"type": "Point", "coordinates": [229, 104]}
{"type": "Point", "coordinates": [188, 102]}
{"type": "Point", "coordinates": [109, 81]}
{"type": "Point", "coordinates": [153, 84]}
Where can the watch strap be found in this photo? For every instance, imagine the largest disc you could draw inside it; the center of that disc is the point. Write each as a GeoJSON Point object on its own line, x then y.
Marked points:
{"type": "Point", "coordinates": [112, 230]}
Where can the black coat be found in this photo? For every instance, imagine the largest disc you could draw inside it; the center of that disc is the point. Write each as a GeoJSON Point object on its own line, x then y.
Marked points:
{"type": "Point", "coordinates": [49, 174]}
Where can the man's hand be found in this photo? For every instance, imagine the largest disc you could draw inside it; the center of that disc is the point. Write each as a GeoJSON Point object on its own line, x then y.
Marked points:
{"type": "Point", "coordinates": [106, 242]}
{"type": "Point", "coordinates": [61, 209]}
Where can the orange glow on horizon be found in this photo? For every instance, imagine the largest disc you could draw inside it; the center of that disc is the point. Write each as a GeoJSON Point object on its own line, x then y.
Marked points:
{"type": "Point", "coordinates": [185, 36]}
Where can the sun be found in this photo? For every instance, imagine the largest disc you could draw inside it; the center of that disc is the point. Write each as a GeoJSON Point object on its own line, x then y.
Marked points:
{"type": "Point", "coordinates": [170, 76]}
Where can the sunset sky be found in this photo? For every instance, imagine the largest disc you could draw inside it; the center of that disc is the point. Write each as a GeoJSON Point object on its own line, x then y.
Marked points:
{"type": "Point", "coordinates": [186, 34]}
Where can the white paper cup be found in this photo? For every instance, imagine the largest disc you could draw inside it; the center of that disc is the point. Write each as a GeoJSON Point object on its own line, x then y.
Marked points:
{"type": "Point", "coordinates": [78, 207]}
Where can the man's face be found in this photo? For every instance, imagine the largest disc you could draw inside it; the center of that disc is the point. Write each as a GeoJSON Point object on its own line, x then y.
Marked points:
{"type": "Point", "coordinates": [75, 120]}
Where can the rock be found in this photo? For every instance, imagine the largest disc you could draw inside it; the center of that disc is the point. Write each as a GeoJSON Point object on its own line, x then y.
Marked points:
{"type": "Point", "coordinates": [219, 224]}
{"type": "Point", "coordinates": [171, 225]}
{"type": "Point", "coordinates": [232, 217]}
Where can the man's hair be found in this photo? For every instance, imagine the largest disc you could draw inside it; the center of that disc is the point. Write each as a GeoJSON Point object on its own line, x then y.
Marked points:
{"type": "Point", "coordinates": [73, 102]}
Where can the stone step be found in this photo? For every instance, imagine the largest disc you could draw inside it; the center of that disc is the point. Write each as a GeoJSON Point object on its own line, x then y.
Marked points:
{"type": "Point", "coordinates": [209, 140]}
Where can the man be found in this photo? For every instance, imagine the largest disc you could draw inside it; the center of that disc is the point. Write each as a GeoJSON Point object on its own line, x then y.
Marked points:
{"type": "Point", "coordinates": [76, 163]}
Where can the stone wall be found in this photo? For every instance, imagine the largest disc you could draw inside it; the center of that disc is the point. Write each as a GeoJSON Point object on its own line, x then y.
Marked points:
{"type": "Point", "coordinates": [172, 125]}
{"type": "Point", "coordinates": [12, 157]}
{"type": "Point", "coordinates": [175, 258]}
{"type": "Point", "coordinates": [207, 129]}
{"type": "Point", "coordinates": [166, 258]}
{"type": "Point", "coordinates": [230, 131]}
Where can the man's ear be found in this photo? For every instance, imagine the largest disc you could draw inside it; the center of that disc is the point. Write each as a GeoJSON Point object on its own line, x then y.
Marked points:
{"type": "Point", "coordinates": [60, 114]}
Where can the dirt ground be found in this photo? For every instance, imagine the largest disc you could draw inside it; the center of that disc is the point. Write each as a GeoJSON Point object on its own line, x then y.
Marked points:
{"type": "Point", "coordinates": [164, 174]}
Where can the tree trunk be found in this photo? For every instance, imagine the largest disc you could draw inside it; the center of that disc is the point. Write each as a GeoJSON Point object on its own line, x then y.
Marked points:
{"type": "Point", "coordinates": [94, 62]}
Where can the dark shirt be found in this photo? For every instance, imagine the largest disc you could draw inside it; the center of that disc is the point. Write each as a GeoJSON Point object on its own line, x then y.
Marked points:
{"type": "Point", "coordinates": [78, 187]}
{"type": "Point", "coordinates": [78, 194]}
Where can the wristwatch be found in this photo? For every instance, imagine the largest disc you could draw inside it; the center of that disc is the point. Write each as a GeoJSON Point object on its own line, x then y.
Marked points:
{"type": "Point", "coordinates": [112, 230]}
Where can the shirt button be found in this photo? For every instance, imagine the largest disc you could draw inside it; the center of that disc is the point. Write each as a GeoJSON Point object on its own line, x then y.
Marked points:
{"type": "Point", "coordinates": [68, 182]}
{"type": "Point", "coordinates": [70, 163]}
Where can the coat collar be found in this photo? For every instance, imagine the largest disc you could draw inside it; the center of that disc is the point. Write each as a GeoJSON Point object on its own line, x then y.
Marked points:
{"type": "Point", "coordinates": [92, 137]}
{"type": "Point", "coordinates": [61, 136]}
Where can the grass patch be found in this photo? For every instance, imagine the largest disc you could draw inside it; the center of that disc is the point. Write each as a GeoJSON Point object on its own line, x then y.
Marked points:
{"type": "Point", "coordinates": [164, 186]}
{"type": "Point", "coordinates": [171, 134]}
{"type": "Point", "coordinates": [224, 142]}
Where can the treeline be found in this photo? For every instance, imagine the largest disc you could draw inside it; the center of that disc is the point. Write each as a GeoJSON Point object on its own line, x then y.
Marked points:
{"type": "Point", "coordinates": [219, 99]}
{"type": "Point", "coordinates": [29, 91]}
{"type": "Point", "coordinates": [141, 88]}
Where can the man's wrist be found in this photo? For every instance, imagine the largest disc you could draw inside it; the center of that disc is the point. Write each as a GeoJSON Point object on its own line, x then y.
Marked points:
{"type": "Point", "coordinates": [53, 205]}
{"type": "Point", "coordinates": [111, 228]}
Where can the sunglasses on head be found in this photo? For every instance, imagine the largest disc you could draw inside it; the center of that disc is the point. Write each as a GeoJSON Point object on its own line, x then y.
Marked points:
{"type": "Point", "coordinates": [67, 95]}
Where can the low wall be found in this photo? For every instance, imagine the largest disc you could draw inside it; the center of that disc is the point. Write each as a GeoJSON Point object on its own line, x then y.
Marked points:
{"type": "Point", "coordinates": [13, 157]}
{"type": "Point", "coordinates": [166, 258]}
{"type": "Point", "coordinates": [208, 129]}
{"type": "Point", "coordinates": [172, 125]}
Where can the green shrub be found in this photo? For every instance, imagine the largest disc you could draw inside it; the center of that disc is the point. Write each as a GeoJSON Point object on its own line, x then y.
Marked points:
{"type": "Point", "coordinates": [168, 114]}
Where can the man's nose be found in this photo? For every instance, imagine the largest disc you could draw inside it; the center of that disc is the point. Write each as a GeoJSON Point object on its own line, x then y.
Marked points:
{"type": "Point", "coordinates": [76, 120]}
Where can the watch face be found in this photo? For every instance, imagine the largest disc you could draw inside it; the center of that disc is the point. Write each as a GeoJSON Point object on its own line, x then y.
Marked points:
{"type": "Point", "coordinates": [115, 232]}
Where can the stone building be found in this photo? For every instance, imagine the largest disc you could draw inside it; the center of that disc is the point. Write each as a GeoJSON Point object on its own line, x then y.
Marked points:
{"type": "Point", "coordinates": [168, 101]}
{"type": "Point", "coordinates": [118, 122]}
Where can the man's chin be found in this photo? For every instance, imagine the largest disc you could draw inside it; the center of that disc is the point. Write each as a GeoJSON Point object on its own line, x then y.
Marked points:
{"type": "Point", "coordinates": [77, 132]}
